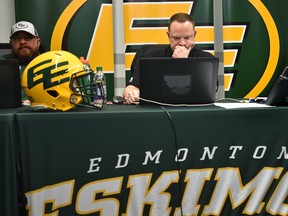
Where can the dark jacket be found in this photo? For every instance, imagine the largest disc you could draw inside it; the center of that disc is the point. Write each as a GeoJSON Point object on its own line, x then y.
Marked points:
{"type": "Point", "coordinates": [159, 50]}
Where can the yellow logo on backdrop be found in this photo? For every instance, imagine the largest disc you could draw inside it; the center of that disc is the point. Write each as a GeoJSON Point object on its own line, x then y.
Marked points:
{"type": "Point", "coordinates": [101, 48]}
{"type": "Point", "coordinates": [274, 48]}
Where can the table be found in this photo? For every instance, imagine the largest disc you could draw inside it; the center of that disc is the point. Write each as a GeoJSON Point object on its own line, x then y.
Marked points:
{"type": "Point", "coordinates": [9, 184]}
{"type": "Point", "coordinates": [145, 160]}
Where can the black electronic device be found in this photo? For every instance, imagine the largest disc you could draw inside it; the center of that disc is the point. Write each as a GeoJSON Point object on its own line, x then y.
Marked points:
{"type": "Point", "coordinates": [10, 86]}
{"type": "Point", "coordinates": [118, 100]}
{"type": "Point", "coordinates": [5, 49]}
{"type": "Point", "coordinates": [178, 80]}
{"type": "Point", "coordinates": [278, 95]}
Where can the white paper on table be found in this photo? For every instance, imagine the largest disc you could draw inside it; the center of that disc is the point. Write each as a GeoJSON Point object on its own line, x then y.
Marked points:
{"type": "Point", "coordinates": [241, 105]}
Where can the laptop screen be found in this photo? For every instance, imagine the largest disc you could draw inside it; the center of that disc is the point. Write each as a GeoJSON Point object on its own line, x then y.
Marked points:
{"type": "Point", "coordinates": [10, 87]}
{"type": "Point", "coordinates": [178, 80]}
{"type": "Point", "coordinates": [278, 95]}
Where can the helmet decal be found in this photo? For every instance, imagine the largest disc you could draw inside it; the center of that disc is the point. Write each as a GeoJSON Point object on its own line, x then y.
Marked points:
{"type": "Point", "coordinates": [44, 75]}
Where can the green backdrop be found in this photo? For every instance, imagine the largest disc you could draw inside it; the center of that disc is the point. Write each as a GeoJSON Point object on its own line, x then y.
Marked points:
{"type": "Point", "coordinates": [253, 52]}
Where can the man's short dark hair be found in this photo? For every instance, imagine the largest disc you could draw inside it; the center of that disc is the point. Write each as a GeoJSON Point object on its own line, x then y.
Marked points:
{"type": "Point", "coordinates": [181, 18]}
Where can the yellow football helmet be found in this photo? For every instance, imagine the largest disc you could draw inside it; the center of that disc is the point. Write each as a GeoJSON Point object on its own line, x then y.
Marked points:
{"type": "Point", "coordinates": [59, 80]}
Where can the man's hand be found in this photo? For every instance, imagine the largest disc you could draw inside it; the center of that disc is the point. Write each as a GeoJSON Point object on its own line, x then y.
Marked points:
{"type": "Point", "coordinates": [131, 94]}
{"type": "Point", "coordinates": [181, 52]}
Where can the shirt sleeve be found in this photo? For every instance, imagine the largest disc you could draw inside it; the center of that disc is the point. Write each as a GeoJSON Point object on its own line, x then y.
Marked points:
{"type": "Point", "coordinates": [134, 80]}
{"type": "Point", "coordinates": [154, 50]}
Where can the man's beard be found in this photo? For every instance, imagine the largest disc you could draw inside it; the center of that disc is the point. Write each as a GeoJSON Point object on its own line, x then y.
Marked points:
{"type": "Point", "coordinates": [24, 59]}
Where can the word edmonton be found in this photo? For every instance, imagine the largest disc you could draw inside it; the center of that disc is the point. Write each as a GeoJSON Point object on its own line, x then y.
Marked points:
{"type": "Point", "coordinates": [182, 155]}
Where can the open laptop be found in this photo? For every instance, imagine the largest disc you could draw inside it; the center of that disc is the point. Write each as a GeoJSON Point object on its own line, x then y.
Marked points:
{"type": "Point", "coordinates": [278, 95]}
{"type": "Point", "coordinates": [178, 81]}
{"type": "Point", "coordinates": [10, 86]}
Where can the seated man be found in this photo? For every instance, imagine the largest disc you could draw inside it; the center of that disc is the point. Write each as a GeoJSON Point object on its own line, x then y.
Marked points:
{"type": "Point", "coordinates": [181, 34]}
{"type": "Point", "coordinates": [24, 42]}
{"type": "Point", "coordinates": [25, 45]}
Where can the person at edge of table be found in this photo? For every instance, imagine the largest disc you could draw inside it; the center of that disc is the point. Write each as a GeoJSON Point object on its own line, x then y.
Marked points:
{"type": "Point", "coordinates": [181, 34]}
{"type": "Point", "coordinates": [25, 45]}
